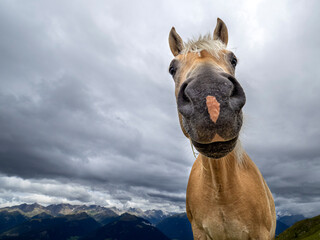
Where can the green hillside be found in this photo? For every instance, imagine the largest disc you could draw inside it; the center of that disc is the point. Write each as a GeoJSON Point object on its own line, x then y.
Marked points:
{"type": "Point", "coordinates": [308, 229]}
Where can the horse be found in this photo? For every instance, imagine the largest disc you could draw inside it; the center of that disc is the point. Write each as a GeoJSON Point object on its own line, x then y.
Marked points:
{"type": "Point", "coordinates": [227, 197]}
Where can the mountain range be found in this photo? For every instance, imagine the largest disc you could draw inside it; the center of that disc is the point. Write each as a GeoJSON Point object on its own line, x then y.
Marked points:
{"type": "Point", "coordinates": [99, 213]}
{"type": "Point", "coordinates": [81, 222]}
{"type": "Point", "coordinates": [75, 222]}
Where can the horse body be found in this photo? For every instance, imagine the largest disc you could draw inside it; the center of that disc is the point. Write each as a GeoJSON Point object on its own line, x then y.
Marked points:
{"type": "Point", "coordinates": [227, 197]}
{"type": "Point", "coordinates": [229, 200]}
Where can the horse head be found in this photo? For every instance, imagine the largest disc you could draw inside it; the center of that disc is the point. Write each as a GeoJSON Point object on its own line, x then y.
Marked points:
{"type": "Point", "coordinates": [209, 97]}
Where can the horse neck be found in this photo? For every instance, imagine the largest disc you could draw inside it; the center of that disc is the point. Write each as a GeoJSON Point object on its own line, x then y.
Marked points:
{"type": "Point", "coordinates": [222, 173]}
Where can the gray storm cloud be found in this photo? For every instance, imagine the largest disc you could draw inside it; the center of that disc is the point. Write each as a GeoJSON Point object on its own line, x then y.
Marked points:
{"type": "Point", "coordinates": [87, 108]}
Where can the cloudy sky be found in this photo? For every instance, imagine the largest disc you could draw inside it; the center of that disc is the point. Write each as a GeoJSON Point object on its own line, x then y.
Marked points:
{"type": "Point", "coordinates": [87, 107]}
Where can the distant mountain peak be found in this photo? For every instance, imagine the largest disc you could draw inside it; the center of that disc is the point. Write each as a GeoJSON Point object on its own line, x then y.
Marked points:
{"type": "Point", "coordinates": [128, 217]}
{"type": "Point", "coordinates": [291, 219]}
{"type": "Point", "coordinates": [135, 211]}
{"type": "Point", "coordinates": [28, 207]}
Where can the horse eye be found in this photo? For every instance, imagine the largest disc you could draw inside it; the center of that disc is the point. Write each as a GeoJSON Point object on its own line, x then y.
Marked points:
{"type": "Point", "coordinates": [172, 71]}
{"type": "Point", "coordinates": [234, 62]}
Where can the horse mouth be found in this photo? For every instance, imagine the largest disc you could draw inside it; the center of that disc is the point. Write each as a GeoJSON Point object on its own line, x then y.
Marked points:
{"type": "Point", "coordinates": [216, 149]}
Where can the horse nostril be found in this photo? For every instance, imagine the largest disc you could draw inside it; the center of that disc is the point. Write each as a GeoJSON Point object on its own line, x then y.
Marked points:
{"type": "Point", "coordinates": [185, 105]}
{"type": "Point", "coordinates": [237, 96]}
{"type": "Point", "coordinates": [184, 97]}
{"type": "Point", "coordinates": [234, 91]}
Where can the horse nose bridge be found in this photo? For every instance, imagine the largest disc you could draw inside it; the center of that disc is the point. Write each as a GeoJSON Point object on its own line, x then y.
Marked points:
{"type": "Point", "coordinates": [196, 89]}
{"type": "Point", "coordinates": [211, 80]}
{"type": "Point", "coordinates": [193, 93]}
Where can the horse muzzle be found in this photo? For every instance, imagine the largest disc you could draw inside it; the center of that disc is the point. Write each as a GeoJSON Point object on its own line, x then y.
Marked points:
{"type": "Point", "coordinates": [210, 103]}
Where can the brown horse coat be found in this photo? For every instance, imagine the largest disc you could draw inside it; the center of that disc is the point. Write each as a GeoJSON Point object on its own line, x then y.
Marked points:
{"type": "Point", "coordinates": [229, 200]}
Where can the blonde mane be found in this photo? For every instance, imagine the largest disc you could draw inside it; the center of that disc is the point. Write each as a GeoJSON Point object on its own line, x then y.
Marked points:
{"type": "Point", "coordinates": [205, 42]}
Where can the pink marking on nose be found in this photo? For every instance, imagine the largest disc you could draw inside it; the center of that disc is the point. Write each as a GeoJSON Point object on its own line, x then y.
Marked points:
{"type": "Point", "coordinates": [213, 108]}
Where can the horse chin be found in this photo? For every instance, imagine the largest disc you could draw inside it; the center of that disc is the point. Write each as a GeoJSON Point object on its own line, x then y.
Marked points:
{"type": "Point", "coordinates": [216, 149]}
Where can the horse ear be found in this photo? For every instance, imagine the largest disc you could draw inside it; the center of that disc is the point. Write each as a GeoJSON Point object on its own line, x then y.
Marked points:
{"type": "Point", "coordinates": [221, 32]}
{"type": "Point", "coordinates": [175, 42]}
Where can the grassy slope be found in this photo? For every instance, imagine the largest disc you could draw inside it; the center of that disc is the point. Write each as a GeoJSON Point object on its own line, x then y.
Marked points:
{"type": "Point", "coordinates": [315, 236]}
{"type": "Point", "coordinates": [308, 229]}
